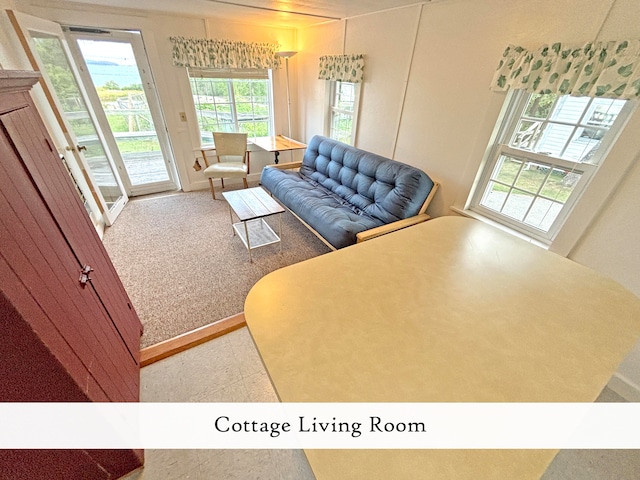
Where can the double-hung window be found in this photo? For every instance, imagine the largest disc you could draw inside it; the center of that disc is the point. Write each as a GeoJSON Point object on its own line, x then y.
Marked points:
{"type": "Point", "coordinates": [232, 101]}
{"type": "Point", "coordinates": [546, 149]}
{"type": "Point", "coordinates": [342, 111]}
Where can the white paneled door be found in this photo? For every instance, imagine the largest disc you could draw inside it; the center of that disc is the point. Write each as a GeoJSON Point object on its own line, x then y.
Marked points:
{"type": "Point", "coordinates": [115, 64]}
{"type": "Point", "coordinates": [99, 84]}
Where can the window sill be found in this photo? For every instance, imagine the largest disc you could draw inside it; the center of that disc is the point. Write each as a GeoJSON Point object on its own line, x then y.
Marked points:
{"type": "Point", "coordinates": [504, 228]}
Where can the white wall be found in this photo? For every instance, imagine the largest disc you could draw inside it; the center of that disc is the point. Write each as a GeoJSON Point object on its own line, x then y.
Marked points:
{"type": "Point", "coordinates": [313, 43]}
{"type": "Point", "coordinates": [449, 112]}
{"type": "Point", "coordinates": [10, 59]}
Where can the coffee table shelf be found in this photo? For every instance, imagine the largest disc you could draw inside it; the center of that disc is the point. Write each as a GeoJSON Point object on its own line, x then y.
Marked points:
{"type": "Point", "coordinates": [251, 206]}
{"type": "Point", "coordinates": [260, 233]}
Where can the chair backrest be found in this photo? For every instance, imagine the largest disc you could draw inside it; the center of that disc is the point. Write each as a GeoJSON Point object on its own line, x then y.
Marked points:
{"type": "Point", "coordinates": [230, 146]}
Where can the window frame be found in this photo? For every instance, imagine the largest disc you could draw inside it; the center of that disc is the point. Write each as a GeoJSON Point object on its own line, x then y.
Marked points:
{"type": "Point", "coordinates": [330, 109]}
{"type": "Point", "coordinates": [229, 75]}
{"type": "Point", "coordinates": [513, 110]}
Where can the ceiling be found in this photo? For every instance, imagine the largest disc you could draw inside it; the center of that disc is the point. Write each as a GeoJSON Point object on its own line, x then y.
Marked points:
{"type": "Point", "coordinates": [277, 13]}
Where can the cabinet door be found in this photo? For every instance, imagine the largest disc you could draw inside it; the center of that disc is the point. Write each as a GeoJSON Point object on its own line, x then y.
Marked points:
{"type": "Point", "coordinates": [61, 340]}
{"type": "Point", "coordinates": [31, 141]}
{"type": "Point", "coordinates": [39, 255]}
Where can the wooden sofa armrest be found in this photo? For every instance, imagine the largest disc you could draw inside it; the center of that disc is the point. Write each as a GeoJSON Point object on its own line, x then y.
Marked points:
{"type": "Point", "coordinates": [391, 227]}
{"type": "Point", "coordinates": [286, 166]}
{"type": "Point", "coordinates": [432, 194]}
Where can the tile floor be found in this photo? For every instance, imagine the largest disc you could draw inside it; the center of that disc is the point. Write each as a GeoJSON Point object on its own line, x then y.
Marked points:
{"type": "Point", "coordinates": [229, 369]}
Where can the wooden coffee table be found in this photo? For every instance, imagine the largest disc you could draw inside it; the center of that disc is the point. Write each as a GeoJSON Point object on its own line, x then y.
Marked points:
{"type": "Point", "coordinates": [251, 206]}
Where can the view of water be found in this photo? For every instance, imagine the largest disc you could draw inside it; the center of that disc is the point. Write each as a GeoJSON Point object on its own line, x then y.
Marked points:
{"type": "Point", "coordinates": [123, 75]}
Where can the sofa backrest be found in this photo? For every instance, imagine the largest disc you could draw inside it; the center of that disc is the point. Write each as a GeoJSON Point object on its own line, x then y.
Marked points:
{"type": "Point", "coordinates": [380, 187]}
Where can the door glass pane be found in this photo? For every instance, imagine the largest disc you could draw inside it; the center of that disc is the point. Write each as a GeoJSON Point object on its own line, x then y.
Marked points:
{"type": "Point", "coordinates": [64, 84]}
{"type": "Point", "coordinates": [114, 72]}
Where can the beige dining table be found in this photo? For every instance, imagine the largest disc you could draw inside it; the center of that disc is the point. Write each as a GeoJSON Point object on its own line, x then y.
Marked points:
{"type": "Point", "coordinates": [450, 310]}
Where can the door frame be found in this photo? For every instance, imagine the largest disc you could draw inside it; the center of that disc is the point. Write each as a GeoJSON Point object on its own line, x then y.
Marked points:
{"type": "Point", "coordinates": [134, 38]}
{"type": "Point", "coordinates": [22, 23]}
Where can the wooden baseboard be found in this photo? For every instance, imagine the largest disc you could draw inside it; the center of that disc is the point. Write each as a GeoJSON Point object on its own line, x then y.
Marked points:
{"type": "Point", "coordinates": [190, 339]}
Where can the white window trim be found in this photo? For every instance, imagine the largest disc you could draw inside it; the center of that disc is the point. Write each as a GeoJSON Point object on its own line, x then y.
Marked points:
{"type": "Point", "coordinates": [329, 94]}
{"type": "Point", "coordinates": [579, 208]}
{"type": "Point", "coordinates": [192, 116]}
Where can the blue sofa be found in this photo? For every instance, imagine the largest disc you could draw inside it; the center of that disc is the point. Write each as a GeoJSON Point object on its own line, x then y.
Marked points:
{"type": "Point", "coordinates": [346, 195]}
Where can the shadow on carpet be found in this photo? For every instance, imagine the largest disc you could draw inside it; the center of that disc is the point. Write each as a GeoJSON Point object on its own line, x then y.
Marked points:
{"type": "Point", "coordinates": [183, 268]}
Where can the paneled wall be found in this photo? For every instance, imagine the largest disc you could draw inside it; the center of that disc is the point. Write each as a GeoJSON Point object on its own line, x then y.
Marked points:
{"type": "Point", "coordinates": [426, 98]}
{"type": "Point", "coordinates": [446, 52]}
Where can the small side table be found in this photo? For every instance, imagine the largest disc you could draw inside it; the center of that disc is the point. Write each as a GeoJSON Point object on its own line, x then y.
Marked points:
{"type": "Point", "coordinates": [251, 206]}
{"type": "Point", "coordinates": [277, 144]}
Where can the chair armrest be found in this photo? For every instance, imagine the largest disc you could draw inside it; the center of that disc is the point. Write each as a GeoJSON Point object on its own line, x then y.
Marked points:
{"type": "Point", "coordinates": [391, 227]}
{"type": "Point", "coordinates": [285, 166]}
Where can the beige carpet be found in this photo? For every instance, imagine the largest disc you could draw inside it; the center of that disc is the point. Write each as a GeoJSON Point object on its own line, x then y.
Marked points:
{"type": "Point", "coordinates": [182, 266]}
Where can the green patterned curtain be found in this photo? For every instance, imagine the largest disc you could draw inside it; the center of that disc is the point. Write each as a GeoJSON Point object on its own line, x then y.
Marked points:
{"type": "Point", "coordinates": [210, 53]}
{"type": "Point", "coordinates": [597, 69]}
{"type": "Point", "coordinates": [344, 68]}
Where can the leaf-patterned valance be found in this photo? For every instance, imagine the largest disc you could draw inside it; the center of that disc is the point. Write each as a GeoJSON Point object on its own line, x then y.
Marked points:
{"type": "Point", "coordinates": [597, 69]}
{"type": "Point", "coordinates": [211, 53]}
{"type": "Point", "coordinates": [344, 68]}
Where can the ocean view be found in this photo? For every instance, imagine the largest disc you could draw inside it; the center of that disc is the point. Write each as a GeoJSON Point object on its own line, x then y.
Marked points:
{"type": "Point", "coordinates": [123, 75]}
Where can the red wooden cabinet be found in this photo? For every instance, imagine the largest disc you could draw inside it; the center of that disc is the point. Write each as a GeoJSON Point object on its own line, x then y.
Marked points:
{"type": "Point", "coordinates": [61, 341]}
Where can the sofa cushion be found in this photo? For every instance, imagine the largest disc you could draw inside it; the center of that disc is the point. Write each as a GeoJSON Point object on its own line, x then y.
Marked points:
{"type": "Point", "coordinates": [381, 188]}
{"type": "Point", "coordinates": [335, 219]}
{"type": "Point", "coordinates": [341, 191]}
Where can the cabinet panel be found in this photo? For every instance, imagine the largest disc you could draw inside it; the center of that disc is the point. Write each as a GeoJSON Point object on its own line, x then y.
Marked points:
{"type": "Point", "coordinates": [39, 255]}
{"type": "Point", "coordinates": [62, 341]}
{"type": "Point", "coordinates": [31, 142]}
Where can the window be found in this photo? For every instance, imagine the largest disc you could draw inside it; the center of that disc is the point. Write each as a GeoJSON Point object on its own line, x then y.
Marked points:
{"type": "Point", "coordinates": [547, 148]}
{"type": "Point", "coordinates": [342, 111]}
{"type": "Point", "coordinates": [232, 101]}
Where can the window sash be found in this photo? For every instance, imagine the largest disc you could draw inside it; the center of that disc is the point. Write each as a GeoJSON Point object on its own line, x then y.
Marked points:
{"type": "Point", "coordinates": [478, 204]}
{"type": "Point", "coordinates": [335, 113]}
{"type": "Point", "coordinates": [576, 139]}
{"type": "Point", "coordinates": [513, 113]}
{"type": "Point", "coordinates": [226, 115]}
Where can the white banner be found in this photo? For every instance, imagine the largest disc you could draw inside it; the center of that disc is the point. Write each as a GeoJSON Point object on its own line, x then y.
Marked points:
{"type": "Point", "coordinates": [320, 425]}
